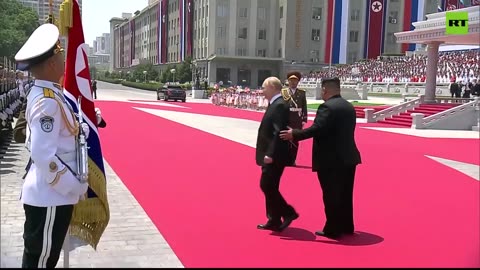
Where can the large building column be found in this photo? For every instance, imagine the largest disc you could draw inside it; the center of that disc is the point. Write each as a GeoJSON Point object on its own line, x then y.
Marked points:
{"type": "Point", "coordinates": [432, 63]}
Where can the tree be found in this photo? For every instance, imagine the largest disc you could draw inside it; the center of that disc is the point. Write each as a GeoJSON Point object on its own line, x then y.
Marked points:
{"type": "Point", "coordinates": [184, 71]}
{"type": "Point", "coordinates": [17, 24]}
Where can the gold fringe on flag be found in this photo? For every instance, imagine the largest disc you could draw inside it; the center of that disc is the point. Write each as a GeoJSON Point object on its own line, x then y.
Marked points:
{"type": "Point", "coordinates": [90, 216]}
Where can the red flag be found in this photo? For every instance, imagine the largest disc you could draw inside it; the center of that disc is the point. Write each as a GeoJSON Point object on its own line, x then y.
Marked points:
{"type": "Point", "coordinates": [91, 216]}
{"type": "Point", "coordinates": [376, 14]}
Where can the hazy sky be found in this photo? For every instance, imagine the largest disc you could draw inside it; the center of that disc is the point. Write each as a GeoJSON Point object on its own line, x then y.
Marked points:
{"type": "Point", "coordinates": [96, 15]}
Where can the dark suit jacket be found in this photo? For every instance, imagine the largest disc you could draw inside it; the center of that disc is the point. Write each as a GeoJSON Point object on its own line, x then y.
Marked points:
{"type": "Point", "coordinates": [269, 143]}
{"type": "Point", "coordinates": [333, 133]}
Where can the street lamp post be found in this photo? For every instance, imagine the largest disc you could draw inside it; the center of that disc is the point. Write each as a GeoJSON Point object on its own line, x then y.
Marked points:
{"type": "Point", "coordinates": [145, 75]}
{"type": "Point", "coordinates": [173, 71]}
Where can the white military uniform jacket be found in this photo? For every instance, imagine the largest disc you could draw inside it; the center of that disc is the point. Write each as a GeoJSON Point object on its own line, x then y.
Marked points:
{"type": "Point", "coordinates": [51, 134]}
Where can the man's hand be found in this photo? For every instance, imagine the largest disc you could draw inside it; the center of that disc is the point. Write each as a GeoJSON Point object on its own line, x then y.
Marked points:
{"type": "Point", "coordinates": [286, 134]}
{"type": "Point", "coordinates": [267, 160]}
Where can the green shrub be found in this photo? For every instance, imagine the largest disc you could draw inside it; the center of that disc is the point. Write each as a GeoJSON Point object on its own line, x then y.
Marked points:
{"type": "Point", "coordinates": [144, 86]}
{"type": "Point", "coordinates": [114, 81]}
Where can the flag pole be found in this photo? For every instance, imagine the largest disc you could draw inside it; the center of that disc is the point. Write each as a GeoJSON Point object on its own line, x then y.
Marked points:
{"type": "Point", "coordinates": [331, 41]}
{"type": "Point", "coordinates": [66, 242]}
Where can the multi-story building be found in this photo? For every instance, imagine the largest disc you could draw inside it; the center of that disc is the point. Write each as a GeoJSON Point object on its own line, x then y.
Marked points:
{"type": "Point", "coordinates": [42, 7]}
{"type": "Point", "coordinates": [245, 41]}
{"type": "Point", "coordinates": [102, 45]}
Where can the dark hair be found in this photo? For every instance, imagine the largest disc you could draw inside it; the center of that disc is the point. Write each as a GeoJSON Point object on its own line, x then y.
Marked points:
{"type": "Point", "coordinates": [331, 83]}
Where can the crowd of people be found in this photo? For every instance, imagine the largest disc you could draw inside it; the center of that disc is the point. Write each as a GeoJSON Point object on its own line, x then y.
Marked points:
{"type": "Point", "coordinates": [453, 66]}
{"type": "Point", "coordinates": [13, 87]}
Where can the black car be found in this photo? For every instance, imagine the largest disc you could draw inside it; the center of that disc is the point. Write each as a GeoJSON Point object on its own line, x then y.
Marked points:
{"type": "Point", "coordinates": [171, 92]}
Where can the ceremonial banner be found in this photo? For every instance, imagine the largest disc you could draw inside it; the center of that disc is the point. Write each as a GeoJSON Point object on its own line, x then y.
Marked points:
{"type": "Point", "coordinates": [90, 216]}
{"type": "Point", "coordinates": [164, 12]}
{"type": "Point", "coordinates": [329, 33]}
{"type": "Point", "coordinates": [159, 34]}
{"type": "Point", "coordinates": [189, 28]}
{"type": "Point", "coordinates": [376, 11]}
{"type": "Point", "coordinates": [132, 40]}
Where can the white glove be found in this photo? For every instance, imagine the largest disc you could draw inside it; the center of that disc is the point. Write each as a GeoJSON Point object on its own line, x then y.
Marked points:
{"type": "Point", "coordinates": [98, 114]}
{"type": "Point", "coordinates": [86, 129]}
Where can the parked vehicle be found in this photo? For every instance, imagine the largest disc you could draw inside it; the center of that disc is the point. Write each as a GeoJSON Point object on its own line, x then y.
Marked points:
{"type": "Point", "coordinates": [171, 92]}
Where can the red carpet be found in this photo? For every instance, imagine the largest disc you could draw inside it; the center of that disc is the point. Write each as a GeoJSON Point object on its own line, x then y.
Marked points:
{"type": "Point", "coordinates": [202, 192]}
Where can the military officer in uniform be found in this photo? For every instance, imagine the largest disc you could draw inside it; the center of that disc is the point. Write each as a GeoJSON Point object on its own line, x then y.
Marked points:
{"type": "Point", "coordinates": [51, 187]}
{"type": "Point", "coordinates": [297, 100]}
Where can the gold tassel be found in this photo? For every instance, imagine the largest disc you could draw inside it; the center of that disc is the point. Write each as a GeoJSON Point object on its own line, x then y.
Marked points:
{"type": "Point", "coordinates": [91, 216]}
{"type": "Point", "coordinates": [66, 17]}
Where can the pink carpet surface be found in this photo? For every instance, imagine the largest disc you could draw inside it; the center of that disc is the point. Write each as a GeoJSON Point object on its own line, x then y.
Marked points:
{"type": "Point", "coordinates": [202, 192]}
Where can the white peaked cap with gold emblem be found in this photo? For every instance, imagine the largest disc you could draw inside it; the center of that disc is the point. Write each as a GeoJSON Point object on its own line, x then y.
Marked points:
{"type": "Point", "coordinates": [41, 45]}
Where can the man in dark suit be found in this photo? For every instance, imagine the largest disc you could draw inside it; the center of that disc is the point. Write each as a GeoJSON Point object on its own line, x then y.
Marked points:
{"type": "Point", "coordinates": [334, 157]}
{"type": "Point", "coordinates": [272, 154]}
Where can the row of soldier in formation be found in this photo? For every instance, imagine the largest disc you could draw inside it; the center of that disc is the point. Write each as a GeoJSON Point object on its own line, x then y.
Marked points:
{"type": "Point", "coordinates": [296, 98]}
{"type": "Point", "coordinates": [13, 86]}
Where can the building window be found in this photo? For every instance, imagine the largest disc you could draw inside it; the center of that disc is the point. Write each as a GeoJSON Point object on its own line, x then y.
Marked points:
{"type": "Point", "coordinates": [262, 34]}
{"type": "Point", "coordinates": [221, 51]}
{"type": "Point", "coordinates": [242, 52]}
{"type": "Point", "coordinates": [242, 33]}
{"type": "Point", "coordinates": [391, 38]}
{"type": "Point", "coordinates": [281, 12]}
{"type": "Point", "coordinates": [280, 52]}
{"type": "Point", "coordinates": [243, 13]}
{"type": "Point", "coordinates": [393, 17]}
{"type": "Point", "coordinates": [353, 36]}
{"type": "Point", "coordinates": [281, 34]}
{"type": "Point", "coordinates": [221, 31]}
{"type": "Point", "coordinates": [317, 13]}
{"type": "Point", "coordinates": [222, 10]}
{"type": "Point", "coordinates": [352, 57]}
{"type": "Point", "coordinates": [355, 15]}
{"type": "Point", "coordinates": [262, 53]}
{"type": "Point", "coordinates": [262, 13]}
{"type": "Point", "coordinates": [316, 34]}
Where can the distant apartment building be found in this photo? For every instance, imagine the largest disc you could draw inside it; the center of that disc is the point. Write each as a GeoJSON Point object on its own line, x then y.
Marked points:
{"type": "Point", "coordinates": [101, 44]}
{"type": "Point", "coordinates": [245, 41]}
{"type": "Point", "coordinates": [42, 7]}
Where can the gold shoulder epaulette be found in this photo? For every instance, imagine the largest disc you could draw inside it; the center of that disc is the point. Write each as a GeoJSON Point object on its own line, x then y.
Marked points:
{"type": "Point", "coordinates": [286, 94]}
{"type": "Point", "coordinates": [300, 89]}
{"type": "Point", "coordinates": [48, 93]}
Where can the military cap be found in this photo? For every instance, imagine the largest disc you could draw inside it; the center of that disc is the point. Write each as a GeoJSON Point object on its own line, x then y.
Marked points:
{"type": "Point", "coordinates": [41, 45]}
{"type": "Point", "coordinates": [294, 75]}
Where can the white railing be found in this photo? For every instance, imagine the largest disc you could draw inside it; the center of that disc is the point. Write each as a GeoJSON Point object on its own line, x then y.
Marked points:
{"type": "Point", "coordinates": [419, 121]}
{"type": "Point", "coordinates": [453, 100]}
{"type": "Point", "coordinates": [399, 88]}
{"type": "Point", "coordinates": [373, 116]}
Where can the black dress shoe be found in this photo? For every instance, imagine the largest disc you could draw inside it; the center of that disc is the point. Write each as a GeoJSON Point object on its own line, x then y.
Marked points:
{"type": "Point", "coordinates": [288, 220]}
{"type": "Point", "coordinates": [328, 235]}
{"type": "Point", "coordinates": [272, 226]}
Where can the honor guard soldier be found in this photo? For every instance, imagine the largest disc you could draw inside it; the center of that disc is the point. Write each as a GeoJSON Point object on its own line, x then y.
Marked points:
{"type": "Point", "coordinates": [297, 99]}
{"type": "Point", "coordinates": [51, 187]}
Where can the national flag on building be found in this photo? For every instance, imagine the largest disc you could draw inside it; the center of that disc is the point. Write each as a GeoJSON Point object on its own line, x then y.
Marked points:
{"type": "Point", "coordinates": [90, 216]}
{"type": "Point", "coordinates": [375, 26]}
